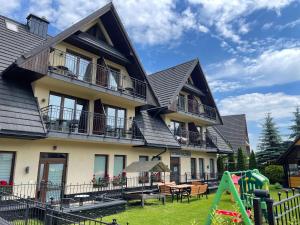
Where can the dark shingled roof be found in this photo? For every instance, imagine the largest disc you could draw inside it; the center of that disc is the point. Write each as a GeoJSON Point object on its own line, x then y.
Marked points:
{"type": "Point", "coordinates": [234, 129]}
{"type": "Point", "coordinates": [167, 83]}
{"type": "Point", "coordinates": [19, 114]}
{"type": "Point", "coordinates": [222, 144]}
{"type": "Point", "coordinates": [14, 44]}
{"type": "Point", "coordinates": [155, 131]}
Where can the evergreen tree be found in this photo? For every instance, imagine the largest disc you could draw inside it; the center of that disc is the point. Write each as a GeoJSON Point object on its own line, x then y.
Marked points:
{"type": "Point", "coordinates": [220, 165]}
{"type": "Point", "coordinates": [231, 163]}
{"type": "Point", "coordinates": [240, 165]}
{"type": "Point", "coordinates": [269, 147]}
{"type": "Point", "coordinates": [295, 128]}
{"type": "Point", "coordinates": [252, 161]}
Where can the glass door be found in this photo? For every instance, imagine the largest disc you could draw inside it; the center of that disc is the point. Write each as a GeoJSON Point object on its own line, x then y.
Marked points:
{"type": "Point", "coordinates": [175, 169]}
{"type": "Point", "coordinates": [201, 168]}
{"type": "Point", "coordinates": [51, 178]}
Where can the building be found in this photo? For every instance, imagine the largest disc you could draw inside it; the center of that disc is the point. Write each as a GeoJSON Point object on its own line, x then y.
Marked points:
{"type": "Point", "coordinates": [79, 105]}
{"type": "Point", "coordinates": [234, 130]}
{"type": "Point", "coordinates": [290, 160]}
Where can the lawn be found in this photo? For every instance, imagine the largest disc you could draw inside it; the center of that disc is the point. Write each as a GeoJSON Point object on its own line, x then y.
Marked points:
{"type": "Point", "coordinates": [185, 213]}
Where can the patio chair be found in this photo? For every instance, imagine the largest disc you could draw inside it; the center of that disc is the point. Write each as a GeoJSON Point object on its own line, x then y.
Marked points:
{"type": "Point", "coordinates": [194, 191]}
{"type": "Point", "coordinates": [168, 191]}
{"type": "Point", "coordinates": [196, 183]}
{"type": "Point", "coordinates": [203, 189]}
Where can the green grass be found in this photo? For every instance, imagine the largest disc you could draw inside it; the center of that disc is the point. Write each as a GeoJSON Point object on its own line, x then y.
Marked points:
{"type": "Point", "coordinates": [193, 213]}
{"type": "Point", "coordinates": [175, 213]}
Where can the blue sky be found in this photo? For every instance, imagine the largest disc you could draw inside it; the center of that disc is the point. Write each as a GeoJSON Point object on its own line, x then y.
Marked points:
{"type": "Point", "coordinates": [249, 50]}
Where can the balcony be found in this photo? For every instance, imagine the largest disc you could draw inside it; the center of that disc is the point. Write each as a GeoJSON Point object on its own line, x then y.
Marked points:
{"type": "Point", "coordinates": [195, 139]}
{"type": "Point", "coordinates": [195, 108]}
{"type": "Point", "coordinates": [83, 123]}
{"type": "Point", "coordinates": [83, 70]}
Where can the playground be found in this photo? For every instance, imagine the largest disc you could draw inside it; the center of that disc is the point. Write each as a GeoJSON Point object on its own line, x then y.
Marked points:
{"type": "Point", "coordinates": [233, 202]}
{"type": "Point", "coordinates": [193, 213]}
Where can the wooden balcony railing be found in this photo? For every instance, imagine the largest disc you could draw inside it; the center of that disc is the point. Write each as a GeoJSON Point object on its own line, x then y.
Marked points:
{"type": "Point", "coordinates": [196, 108]}
{"type": "Point", "coordinates": [193, 138]}
{"type": "Point", "coordinates": [80, 68]}
{"type": "Point", "coordinates": [68, 120]}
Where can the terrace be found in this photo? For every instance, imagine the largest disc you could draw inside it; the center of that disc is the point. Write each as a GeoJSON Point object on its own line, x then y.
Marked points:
{"type": "Point", "coordinates": [82, 123]}
{"type": "Point", "coordinates": [80, 70]}
{"type": "Point", "coordinates": [194, 108]}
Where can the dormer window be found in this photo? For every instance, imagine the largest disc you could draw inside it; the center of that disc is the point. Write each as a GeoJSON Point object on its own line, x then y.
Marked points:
{"type": "Point", "coordinates": [97, 32]}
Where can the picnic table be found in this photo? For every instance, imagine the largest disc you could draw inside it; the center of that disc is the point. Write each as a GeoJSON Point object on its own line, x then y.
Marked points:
{"type": "Point", "coordinates": [143, 195]}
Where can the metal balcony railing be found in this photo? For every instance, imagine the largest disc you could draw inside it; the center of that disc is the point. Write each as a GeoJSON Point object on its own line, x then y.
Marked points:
{"type": "Point", "coordinates": [68, 120]}
{"type": "Point", "coordinates": [196, 108]}
{"type": "Point", "coordinates": [80, 68]}
{"type": "Point", "coordinates": [195, 139]}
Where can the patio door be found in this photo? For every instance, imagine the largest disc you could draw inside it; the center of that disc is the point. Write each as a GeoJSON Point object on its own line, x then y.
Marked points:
{"type": "Point", "coordinates": [51, 176]}
{"type": "Point", "coordinates": [175, 169]}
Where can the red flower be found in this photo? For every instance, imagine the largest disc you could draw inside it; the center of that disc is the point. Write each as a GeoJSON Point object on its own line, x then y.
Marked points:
{"type": "Point", "coordinates": [11, 183]}
{"type": "Point", "coordinates": [3, 183]}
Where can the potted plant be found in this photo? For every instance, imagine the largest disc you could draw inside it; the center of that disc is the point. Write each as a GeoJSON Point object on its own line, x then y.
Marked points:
{"type": "Point", "coordinates": [5, 187]}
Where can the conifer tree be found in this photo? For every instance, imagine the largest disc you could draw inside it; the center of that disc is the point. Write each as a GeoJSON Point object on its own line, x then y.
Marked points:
{"type": "Point", "coordinates": [252, 161]}
{"type": "Point", "coordinates": [269, 147]}
{"type": "Point", "coordinates": [295, 128]}
{"type": "Point", "coordinates": [231, 163]}
{"type": "Point", "coordinates": [240, 165]}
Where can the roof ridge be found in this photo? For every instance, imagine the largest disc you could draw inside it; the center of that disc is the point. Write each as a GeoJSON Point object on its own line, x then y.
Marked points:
{"type": "Point", "coordinates": [168, 68]}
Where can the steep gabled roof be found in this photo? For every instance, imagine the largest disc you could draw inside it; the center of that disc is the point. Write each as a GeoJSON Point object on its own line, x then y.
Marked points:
{"type": "Point", "coordinates": [168, 83]}
{"type": "Point", "coordinates": [222, 144]}
{"type": "Point", "coordinates": [51, 42]}
{"type": "Point", "coordinates": [19, 112]}
{"type": "Point", "coordinates": [234, 129]}
{"type": "Point", "coordinates": [14, 44]}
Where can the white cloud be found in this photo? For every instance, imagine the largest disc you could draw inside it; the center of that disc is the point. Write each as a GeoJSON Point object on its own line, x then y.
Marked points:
{"type": "Point", "coordinates": [148, 22]}
{"type": "Point", "coordinates": [8, 7]}
{"type": "Point", "coordinates": [267, 26]}
{"type": "Point", "coordinates": [273, 67]}
{"type": "Point", "coordinates": [291, 24]}
{"type": "Point", "coordinates": [225, 15]}
{"type": "Point", "coordinates": [256, 105]}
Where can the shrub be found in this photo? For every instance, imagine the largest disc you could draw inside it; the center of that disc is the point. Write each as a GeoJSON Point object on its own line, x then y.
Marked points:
{"type": "Point", "coordinates": [277, 186]}
{"type": "Point", "coordinates": [252, 161]}
{"type": "Point", "coordinates": [274, 173]}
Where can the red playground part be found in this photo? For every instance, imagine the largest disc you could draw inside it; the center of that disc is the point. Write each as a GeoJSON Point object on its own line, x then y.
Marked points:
{"type": "Point", "coordinates": [237, 216]}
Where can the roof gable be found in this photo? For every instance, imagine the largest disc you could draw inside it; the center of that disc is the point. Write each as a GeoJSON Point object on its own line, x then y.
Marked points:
{"type": "Point", "coordinates": [168, 83]}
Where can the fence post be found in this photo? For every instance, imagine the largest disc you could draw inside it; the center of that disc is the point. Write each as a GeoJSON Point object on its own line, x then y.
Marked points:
{"type": "Point", "coordinates": [257, 211]}
{"type": "Point", "coordinates": [186, 178]}
{"type": "Point", "coordinates": [270, 211]}
{"type": "Point", "coordinates": [26, 213]}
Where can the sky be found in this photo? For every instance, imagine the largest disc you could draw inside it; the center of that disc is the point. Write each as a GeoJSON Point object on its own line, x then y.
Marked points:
{"type": "Point", "coordinates": [249, 49]}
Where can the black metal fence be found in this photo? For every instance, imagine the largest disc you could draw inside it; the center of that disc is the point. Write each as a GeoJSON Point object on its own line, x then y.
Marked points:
{"type": "Point", "coordinates": [21, 211]}
{"type": "Point", "coordinates": [286, 211]}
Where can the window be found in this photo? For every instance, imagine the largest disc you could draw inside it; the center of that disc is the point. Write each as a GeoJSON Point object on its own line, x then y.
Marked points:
{"type": "Point", "coordinates": [177, 128]}
{"type": "Point", "coordinates": [65, 110]}
{"type": "Point", "coordinates": [113, 78]}
{"type": "Point", "coordinates": [100, 166]}
{"type": "Point", "coordinates": [119, 164]}
{"type": "Point", "coordinates": [212, 168]}
{"type": "Point", "coordinates": [115, 120]}
{"type": "Point", "coordinates": [201, 168]}
{"type": "Point", "coordinates": [193, 168]}
{"type": "Point", "coordinates": [79, 66]}
{"type": "Point", "coordinates": [181, 102]}
{"type": "Point", "coordinates": [7, 166]}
